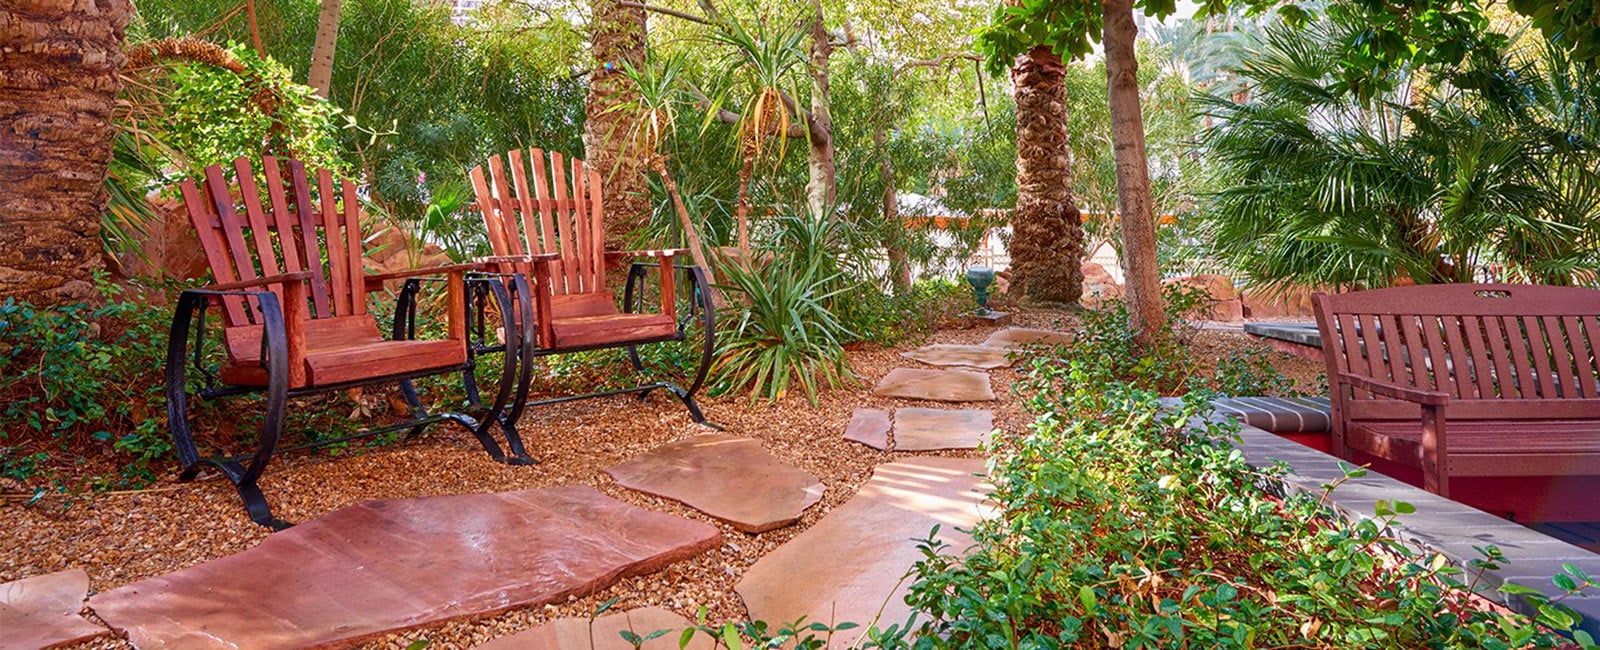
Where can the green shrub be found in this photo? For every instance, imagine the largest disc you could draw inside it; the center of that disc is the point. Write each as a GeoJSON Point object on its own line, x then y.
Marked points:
{"type": "Point", "coordinates": [1250, 372]}
{"type": "Point", "coordinates": [79, 376]}
{"type": "Point", "coordinates": [1119, 526]}
{"type": "Point", "coordinates": [785, 333]}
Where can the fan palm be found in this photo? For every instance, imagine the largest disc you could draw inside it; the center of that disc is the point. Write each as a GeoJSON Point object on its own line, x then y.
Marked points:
{"type": "Point", "coordinates": [1489, 174]}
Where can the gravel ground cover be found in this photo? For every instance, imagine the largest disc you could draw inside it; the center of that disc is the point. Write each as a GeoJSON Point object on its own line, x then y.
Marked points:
{"type": "Point", "coordinates": [121, 538]}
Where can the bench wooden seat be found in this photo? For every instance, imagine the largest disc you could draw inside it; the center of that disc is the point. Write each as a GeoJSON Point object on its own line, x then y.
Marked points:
{"type": "Point", "coordinates": [1466, 380]}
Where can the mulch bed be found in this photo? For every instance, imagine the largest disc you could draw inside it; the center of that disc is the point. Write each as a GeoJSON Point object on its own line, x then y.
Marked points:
{"type": "Point", "coordinates": [122, 538]}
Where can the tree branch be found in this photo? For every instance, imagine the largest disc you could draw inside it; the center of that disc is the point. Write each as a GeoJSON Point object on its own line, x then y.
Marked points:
{"type": "Point", "coordinates": [670, 12]}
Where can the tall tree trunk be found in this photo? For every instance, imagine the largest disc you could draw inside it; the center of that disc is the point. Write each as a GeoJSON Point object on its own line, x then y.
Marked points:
{"type": "Point", "coordinates": [894, 231]}
{"type": "Point", "coordinates": [321, 75]}
{"type": "Point", "coordinates": [691, 235]}
{"type": "Point", "coordinates": [821, 184]}
{"type": "Point", "coordinates": [1047, 230]}
{"type": "Point", "coordinates": [741, 208]}
{"type": "Point", "coordinates": [618, 37]}
{"type": "Point", "coordinates": [58, 81]}
{"type": "Point", "coordinates": [1140, 269]}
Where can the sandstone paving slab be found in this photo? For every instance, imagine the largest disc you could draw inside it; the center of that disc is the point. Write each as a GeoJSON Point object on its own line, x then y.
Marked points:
{"type": "Point", "coordinates": [937, 385]}
{"type": "Point", "coordinates": [849, 564]}
{"type": "Point", "coordinates": [731, 478]}
{"type": "Point", "coordinates": [869, 427]}
{"type": "Point", "coordinates": [920, 429]}
{"type": "Point", "coordinates": [604, 633]}
{"type": "Point", "coordinates": [43, 611]}
{"type": "Point", "coordinates": [380, 566]}
{"type": "Point", "coordinates": [1020, 337]}
{"type": "Point", "coordinates": [983, 357]}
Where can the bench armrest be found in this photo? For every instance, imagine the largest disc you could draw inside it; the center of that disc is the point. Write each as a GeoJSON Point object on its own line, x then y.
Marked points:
{"type": "Point", "coordinates": [1396, 391]}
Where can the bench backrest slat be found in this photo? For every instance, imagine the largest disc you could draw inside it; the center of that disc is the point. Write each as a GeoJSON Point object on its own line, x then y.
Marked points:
{"type": "Point", "coordinates": [1520, 347]}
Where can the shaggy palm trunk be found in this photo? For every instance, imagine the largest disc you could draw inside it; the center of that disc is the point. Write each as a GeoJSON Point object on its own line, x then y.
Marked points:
{"type": "Point", "coordinates": [1139, 265]}
{"type": "Point", "coordinates": [320, 77]}
{"type": "Point", "coordinates": [618, 37]}
{"type": "Point", "coordinates": [821, 183]}
{"type": "Point", "coordinates": [1047, 230]}
{"type": "Point", "coordinates": [58, 81]}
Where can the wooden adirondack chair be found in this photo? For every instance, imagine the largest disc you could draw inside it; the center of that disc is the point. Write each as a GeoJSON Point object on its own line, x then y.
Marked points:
{"type": "Point", "coordinates": [293, 296]}
{"type": "Point", "coordinates": [551, 232]}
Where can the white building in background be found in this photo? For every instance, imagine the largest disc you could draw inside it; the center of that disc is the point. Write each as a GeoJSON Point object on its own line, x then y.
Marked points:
{"type": "Point", "coordinates": [461, 8]}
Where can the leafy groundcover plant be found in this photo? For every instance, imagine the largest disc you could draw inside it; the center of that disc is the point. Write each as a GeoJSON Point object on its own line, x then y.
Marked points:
{"type": "Point", "coordinates": [1124, 526]}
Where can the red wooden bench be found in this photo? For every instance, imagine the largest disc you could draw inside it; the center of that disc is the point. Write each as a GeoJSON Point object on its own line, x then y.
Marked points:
{"type": "Point", "coordinates": [546, 228]}
{"type": "Point", "coordinates": [285, 249]}
{"type": "Point", "coordinates": [1466, 380]}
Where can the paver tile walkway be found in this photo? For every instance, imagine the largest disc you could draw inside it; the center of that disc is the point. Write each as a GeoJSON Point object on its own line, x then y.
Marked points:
{"type": "Point", "coordinates": [937, 385]}
{"type": "Point", "coordinates": [381, 566]}
{"type": "Point", "coordinates": [604, 633]}
{"type": "Point", "coordinates": [731, 478]}
{"type": "Point", "coordinates": [849, 564]}
{"type": "Point", "coordinates": [919, 429]}
{"type": "Point", "coordinates": [1018, 337]}
{"type": "Point", "coordinates": [43, 611]}
{"type": "Point", "coordinates": [869, 427]}
{"type": "Point", "coordinates": [982, 357]}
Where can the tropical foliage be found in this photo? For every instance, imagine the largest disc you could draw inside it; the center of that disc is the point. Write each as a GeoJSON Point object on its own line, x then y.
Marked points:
{"type": "Point", "coordinates": [1482, 172]}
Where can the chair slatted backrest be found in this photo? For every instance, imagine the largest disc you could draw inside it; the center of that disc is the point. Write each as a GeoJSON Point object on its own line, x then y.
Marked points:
{"type": "Point", "coordinates": [559, 212]}
{"type": "Point", "coordinates": [1497, 350]}
{"type": "Point", "coordinates": [245, 238]}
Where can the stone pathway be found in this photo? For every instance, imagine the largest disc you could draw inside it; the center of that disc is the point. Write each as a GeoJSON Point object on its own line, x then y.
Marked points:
{"type": "Point", "coordinates": [604, 633]}
{"type": "Point", "coordinates": [731, 478]}
{"type": "Point", "coordinates": [43, 611]}
{"type": "Point", "coordinates": [982, 357]}
{"type": "Point", "coordinates": [936, 385]}
{"type": "Point", "coordinates": [854, 561]}
{"type": "Point", "coordinates": [920, 429]}
{"type": "Point", "coordinates": [869, 427]}
{"type": "Point", "coordinates": [382, 566]}
{"type": "Point", "coordinates": [1012, 338]}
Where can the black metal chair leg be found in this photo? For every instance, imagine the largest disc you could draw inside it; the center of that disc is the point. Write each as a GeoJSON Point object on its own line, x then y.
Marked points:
{"type": "Point", "coordinates": [515, 366]}
{"type": "Point", "coordinates": [255, 503]}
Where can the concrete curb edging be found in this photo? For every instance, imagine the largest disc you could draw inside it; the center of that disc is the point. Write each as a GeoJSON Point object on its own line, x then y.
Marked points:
{"type": "Point", "coordinates": [1438, 526]}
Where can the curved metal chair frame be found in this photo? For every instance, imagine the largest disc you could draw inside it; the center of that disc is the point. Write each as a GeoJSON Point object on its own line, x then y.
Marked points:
{"type": "Point", "coordinates": [274, 302]}
{"type": "Point", "coordinates": [552, 238]}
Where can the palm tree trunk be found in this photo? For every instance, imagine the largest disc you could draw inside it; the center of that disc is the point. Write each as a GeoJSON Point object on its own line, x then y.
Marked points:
{"type": "Point", "coordinates": [321, 75]}
{"type": "Point", "coordinates": [741, 209]}
{"type": "Point", "coordinates": [691, 235]}
{"type": "Point", "coordinates": [1047, 230]}
{"type": "Point", "coordinates": [618, 36]}
{"type": "Point", "coordinates": [58, 81]}
{"type": "Point", "coordinates": [1140, 269]}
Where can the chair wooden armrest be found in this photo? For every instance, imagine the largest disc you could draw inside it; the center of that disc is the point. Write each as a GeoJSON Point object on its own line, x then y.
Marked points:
{"type": "Point", "coordinates": [374, 280]}
{"type": "Point", "coordinates": [1396, 391]}
{"type": "Point", "coordinates": [660, 252]}
{"type": "Point", "coordinates": [519, 259]}
{"type": "Point", "coordinates": [282, 278]}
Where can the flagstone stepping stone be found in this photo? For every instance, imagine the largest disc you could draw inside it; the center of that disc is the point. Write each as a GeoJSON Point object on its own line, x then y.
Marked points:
{"type": "Point", "coordinates": [43, 611]}
{"type": "Point", "coordinates": [869, 427]}
{"type": "Point", "coordinates": [850, 564]}
{"type": "Point", "coordinates": [381, 566]}
{"type": "Point", "coordinates": [1019, 337]}
{"type": "Point", "coordinates": [919, 429]}
{"type": "Point", "coordinates": [733, 479]}
{"type": "Point", "coordinates": [938, 385]}
{"type": "Point", "coordinates": [604, 633]}
{"type": "Point", "coordinates": [984, 357]}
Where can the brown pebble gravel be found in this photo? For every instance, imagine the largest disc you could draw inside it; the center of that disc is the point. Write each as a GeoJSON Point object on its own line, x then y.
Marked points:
{"type": "Point", "coordinates": [122, 538]}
